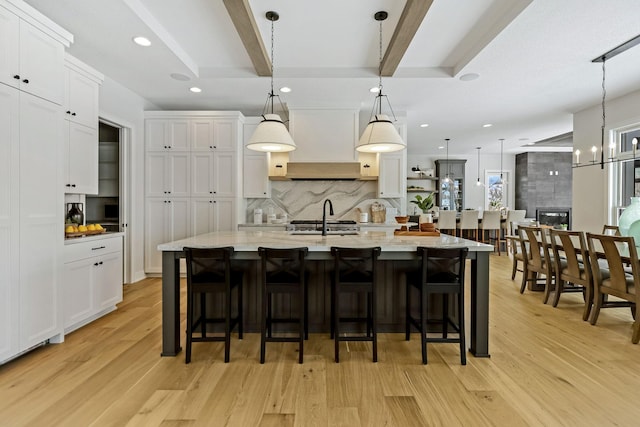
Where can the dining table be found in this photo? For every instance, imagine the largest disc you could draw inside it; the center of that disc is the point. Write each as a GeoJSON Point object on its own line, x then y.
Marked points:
{"type": "Point", "coordinates": [396, 251]}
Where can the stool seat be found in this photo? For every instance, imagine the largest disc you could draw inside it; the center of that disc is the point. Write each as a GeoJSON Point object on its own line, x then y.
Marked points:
{"type": "Point", "coordinates": [209, 271]}
{"type": "Point", "coordinates": [442, 272]}
{"type": "Point", "coordinates": [283, 272]}
{"type": "Point", "coordinates": [355, 272]}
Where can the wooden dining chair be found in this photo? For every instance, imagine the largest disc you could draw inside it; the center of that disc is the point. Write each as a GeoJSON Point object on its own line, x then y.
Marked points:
{"type": "Point", "coordinates": [610, 277]}
{"type": "Point", "coordinates": [572, 267]}
{"type": "Point", "coordinates": [517, 254]}
{"type": "Point", "coordinates": [612, 230]}
{"type": "Point", "coordinates": [538, 260]}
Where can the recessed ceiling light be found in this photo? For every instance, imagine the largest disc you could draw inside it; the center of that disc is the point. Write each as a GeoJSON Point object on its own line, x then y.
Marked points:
{"type": "Point", "coordinates": [374, 89]}
{"type": "Point", "coordinates": [195, 89]}
{"type": "Point", "coordinates": [285, 89]}
{"type": "Point", "coordinates": [142, 41]}
{"type": "Point", "coordinates": [488, 125]}
{"type": "Point", "coordinates": [180, 77]}
{"type": "Point", "coordinates": [441, 147]}
{"type": "Point", "coordinates": [424, 125]}
{"type": "Point", "coordinates": [469, 76]}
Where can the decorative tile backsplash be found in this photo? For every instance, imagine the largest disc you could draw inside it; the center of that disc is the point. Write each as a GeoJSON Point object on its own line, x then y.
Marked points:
{"type": "Point", "coordinates": [304, 199]}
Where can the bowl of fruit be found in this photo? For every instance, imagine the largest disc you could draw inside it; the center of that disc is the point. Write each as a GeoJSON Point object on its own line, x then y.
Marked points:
{"type": "Point", "coordinates": [74, 230]}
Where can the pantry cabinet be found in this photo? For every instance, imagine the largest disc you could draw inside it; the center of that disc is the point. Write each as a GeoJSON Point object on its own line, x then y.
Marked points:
{"type": "Point", "coordinates": [191, 176]}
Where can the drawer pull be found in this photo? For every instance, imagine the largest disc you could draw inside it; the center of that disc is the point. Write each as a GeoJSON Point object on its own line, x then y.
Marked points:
{"type": "Point", "coordinates": [99, 247]}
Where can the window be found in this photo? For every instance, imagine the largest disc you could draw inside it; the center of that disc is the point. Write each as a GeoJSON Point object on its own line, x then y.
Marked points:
{"type": "Point", "coordinates": [495, 189]}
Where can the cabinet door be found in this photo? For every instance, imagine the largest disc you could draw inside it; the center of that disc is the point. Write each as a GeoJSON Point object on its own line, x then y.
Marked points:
{"type": "Point", "coordinates": [82, 160]}
{"type": "Point", "coordinates": [155, 233]}
{"type": "Point", "coordinates": [202, 170]}
{"type": "Point", "coordinates": [224, 214]}
{"type": "Point", "coordinates": [77, 294]}
{"type": "Point", "coordinates": [256, 176]}
{"type": "Point", "coordinates": [391, 180]}
{"type": "Point", "coordinates": [167, 175]}
{"type": "Point", "coordinates": [167, 135]}
{"type": "Point", "coordinates": [41, 64]}
{"type": "Point", "coordinates": [107, 281]}
{"type": "Point", "coordinates": [9, 48]}
{"type": "Point", "coordinates": [9, 131]}
{"type": "Point", "coordinates": [81, 104]}
{"type": "Point", "coordinates": [178, 133]}
{"type": "Point", "coordinates": [202, 135]}
{"type": "Point", "coordinates": [154, 135]}
{"type": "Point", "coordinates": [178, 168]}
{"type": "Point", "coordinates": [225, 134]}
{"type": "Point", "coordinates": [178, 219]}
{"type": "Point", "coordinates": [41, 218]}
{"type": "Point", "coordinates": [225, 171]}
{"type": "Point", "coordinates": [202, 216]}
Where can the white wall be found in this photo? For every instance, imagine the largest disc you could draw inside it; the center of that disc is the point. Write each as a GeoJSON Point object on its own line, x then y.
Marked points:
{"type": "Point", "coordinates": [474, 196]}
{"type": "Point", "coordinates": [125, 108]}
{"type": "Point", "coordinates": [591, 208]}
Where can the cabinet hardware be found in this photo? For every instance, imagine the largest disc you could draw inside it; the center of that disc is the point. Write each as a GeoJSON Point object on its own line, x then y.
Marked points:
{"type": "Point", "coordinates": [73, 185]}
{"type": "Point", "coordinates": [17, 77]}
{"type": "Point", "coordinates": [68, 112]}
{"type": "Point", "coordinates": [211, 146]}
{"type": "Point", "coordinates": [100, 263]}
{"type": "Point", "coordinates": [99, 247]}
{"type": "Point", "coordinates": [73, 114]}
{"type": "Point", "coordinates": [95, 263]}
{"type": "Point", "coordinates": [68, 185]}
{"type": "Point", "coordinates": [25, 81]}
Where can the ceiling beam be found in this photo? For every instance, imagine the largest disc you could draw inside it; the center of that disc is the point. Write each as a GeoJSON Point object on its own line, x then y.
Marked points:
{"type": "Point", "coordinates": [242, 18]}
{"type": "Point", "coordinates": [408, 24]}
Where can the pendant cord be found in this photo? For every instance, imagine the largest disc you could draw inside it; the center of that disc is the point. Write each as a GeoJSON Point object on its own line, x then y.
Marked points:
{"type": "Point", "coordinates": [380, 63]}
{"type": "Point", "coordinates": [478, 148]}
{"type": "Point", "coordinates": [272, 59]}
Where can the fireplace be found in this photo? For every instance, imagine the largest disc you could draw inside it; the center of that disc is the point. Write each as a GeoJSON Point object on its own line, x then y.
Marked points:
{"type": "Point", "coordinates": [554, 216]}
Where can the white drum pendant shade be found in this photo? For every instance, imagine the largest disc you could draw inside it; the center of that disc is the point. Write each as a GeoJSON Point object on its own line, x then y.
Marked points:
{"type": "Point", "coordinates": [271, 135]}
{"type": "Point", "coordinates": [380, 136]}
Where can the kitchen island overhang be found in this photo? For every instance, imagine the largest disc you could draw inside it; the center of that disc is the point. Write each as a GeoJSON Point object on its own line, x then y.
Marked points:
{"type": "Point", "coordinates": [394, 248]}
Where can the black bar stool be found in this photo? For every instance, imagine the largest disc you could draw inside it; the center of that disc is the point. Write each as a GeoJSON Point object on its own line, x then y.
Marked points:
{"type": "Point", "coordinates": [209, 272]}
{"type": "Point", "coordinates": [442, 272]}
{"type": "Point", "coordinates": [283, 272]}
{"type": "Point", "coordinates": [354, 272]}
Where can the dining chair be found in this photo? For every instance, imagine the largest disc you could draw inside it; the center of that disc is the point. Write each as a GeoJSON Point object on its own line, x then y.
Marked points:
{"type": "Point", "coordinates": [610, 277]}
{"type": "Point", "coordinates": [209, 272]}
{"type": "Point", "coordinates": [513, 217]}
{"type": "Point", "coordinates": [441, 272]}
{"type": "Point", "coordinates": [490, 226]}
{"type": "Point", "coordinates": [468, 222]}
{"type": "Point", "coordinates": [538, 260]}
{"type": "Point", "coordinates": [447, 221]}
{"type": "Point", "coordinates": [612, 230]}
{"type": "Point", "coordinates": [572, 266]}
{"type": "Point", "coordinates": [283, 272]}
{"type": "Point", "coordinates": [354, 274]}
{"type": "Point", "coordinates": [517, 254]}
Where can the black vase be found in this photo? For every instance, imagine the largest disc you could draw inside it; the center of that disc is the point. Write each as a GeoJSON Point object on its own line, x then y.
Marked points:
{"type": "Point", "coordinates": [75, 214]}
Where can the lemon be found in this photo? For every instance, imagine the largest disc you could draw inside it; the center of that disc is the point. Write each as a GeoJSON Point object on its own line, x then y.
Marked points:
{"type": "Point", "coordinates": [91, 227]}
{"type": "Point", "coordinates": [69, 229]}
{"type": "Point", "coordinates": [75, 228]}
{"type": "Point", "coordinates": [82, 228]}
{"type": "Point", "coordinates": [99, 227]}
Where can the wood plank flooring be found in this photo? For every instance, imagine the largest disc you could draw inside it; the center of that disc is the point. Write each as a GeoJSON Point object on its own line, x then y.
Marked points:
{"type": "Point", "coordinates": [547, 367]}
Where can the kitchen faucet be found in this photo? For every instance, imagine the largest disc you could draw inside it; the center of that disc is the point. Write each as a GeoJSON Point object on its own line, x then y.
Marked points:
{"type": "Point", "coordinates": [324, 215]}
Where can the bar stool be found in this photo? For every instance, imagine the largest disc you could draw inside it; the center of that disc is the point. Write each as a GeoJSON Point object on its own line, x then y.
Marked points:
{"type": "Point", "coordinates": [283, 272]}
{"type": "Point", "coordinates": [490, 224]}
{"type": "Point", "coordinates": [209, 272]}
{"type": "Point", "coordinates": [469, 222]}
{"type": "Point", "coordinates": [355, 272]}
{"type": "Point", "coordinates": [447, 221]}
{"type": "Point", "coordinates": [442, 272]}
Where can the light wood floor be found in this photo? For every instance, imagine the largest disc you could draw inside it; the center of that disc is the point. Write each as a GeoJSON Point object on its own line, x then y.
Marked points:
{"type": "Point", "coordinates": [547, 367]}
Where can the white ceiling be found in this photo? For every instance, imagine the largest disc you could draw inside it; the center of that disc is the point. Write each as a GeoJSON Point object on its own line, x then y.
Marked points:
{"type": "Point", "coordinates": [533, 58]}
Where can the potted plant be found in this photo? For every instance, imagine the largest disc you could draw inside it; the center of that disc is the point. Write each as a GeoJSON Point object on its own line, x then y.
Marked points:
{"type": "Point", "coordinates": [425, 203]}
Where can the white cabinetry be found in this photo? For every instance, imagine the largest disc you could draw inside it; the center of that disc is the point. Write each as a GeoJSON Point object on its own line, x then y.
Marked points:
{"type": "Point", "coordinates": [392, 170]}
{"type": "Point", "coordinates": [31, 59]}
{"type": "Point", "coordinates": [31, 144]}
{"type": "Point", "coordinates": [166, 220]}
{"type": "Point", "coordinates": [92, 280]}
{"type": "Point", "coordinates": [81, 121]}
{"type": "Point", "coordinates": [255, 170]}
{"type": "Point", "coordinates": [191, 177]}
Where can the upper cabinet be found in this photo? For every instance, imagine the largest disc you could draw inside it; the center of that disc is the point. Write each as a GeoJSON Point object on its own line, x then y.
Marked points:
{"type": "Point", "coordinates": [324, 135]}
{"type": "Point", "coordinates": [169, 135]}
{"type": "Point", "coordinates": [81, 93]}
{"type": "Point", "coordinates": [31, 59]}
{"type": "Point", "coordinates": [81, 132]}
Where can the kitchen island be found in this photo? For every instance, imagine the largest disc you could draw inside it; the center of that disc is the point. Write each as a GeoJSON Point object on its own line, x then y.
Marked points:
{"type": "Point", "coordinates": [398, 254]}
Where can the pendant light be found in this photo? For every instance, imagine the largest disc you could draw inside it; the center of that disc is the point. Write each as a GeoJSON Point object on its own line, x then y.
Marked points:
{"type": "Point", "coordinates": [447, 179]}
{"type": "Point", "coordinates": [380, 135]}
{"type": "Point", "coordinates": [478, 183]}
{"type": "Point", "coordinates": [271, 133]}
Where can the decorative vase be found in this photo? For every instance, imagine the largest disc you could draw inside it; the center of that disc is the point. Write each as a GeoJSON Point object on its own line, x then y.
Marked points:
{"type": "Point", "coordinates": [628, 221]}
{"type": "Point", "coordinates": [75, 214]}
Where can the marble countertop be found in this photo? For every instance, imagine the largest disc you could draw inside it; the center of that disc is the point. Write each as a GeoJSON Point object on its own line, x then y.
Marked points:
{"type": "Point", "coordinates": [250, 240]}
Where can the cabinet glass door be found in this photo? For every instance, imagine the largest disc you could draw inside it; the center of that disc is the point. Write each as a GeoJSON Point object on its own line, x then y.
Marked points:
{"type": "Point", "coordinates": [451, 194]}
